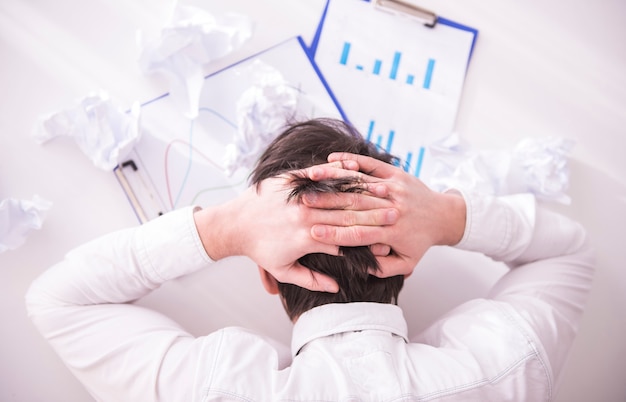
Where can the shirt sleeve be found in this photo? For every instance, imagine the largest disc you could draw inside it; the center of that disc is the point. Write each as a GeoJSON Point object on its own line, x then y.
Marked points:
{"type": "Point", "coordinates": [551, 263]}
{"type": "Point", "coordinates": [121, 351]}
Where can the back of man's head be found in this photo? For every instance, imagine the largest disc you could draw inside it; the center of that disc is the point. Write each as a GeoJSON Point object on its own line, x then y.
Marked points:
{"type": "Point", "coordinates": [307, 144]}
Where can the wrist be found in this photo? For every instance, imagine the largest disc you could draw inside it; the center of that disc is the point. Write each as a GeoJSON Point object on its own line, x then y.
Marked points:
{"type": "Point", "coordinates": [454, 215]}
{"type": "Point", "coordinates": [214, 227]}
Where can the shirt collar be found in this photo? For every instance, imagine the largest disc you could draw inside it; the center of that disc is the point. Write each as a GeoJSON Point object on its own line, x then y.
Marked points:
{"type": "Point", "coordinates": [331, 319]}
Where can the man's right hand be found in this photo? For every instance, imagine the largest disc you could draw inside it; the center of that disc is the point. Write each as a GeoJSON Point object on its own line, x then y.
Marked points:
{"type": "Point", "coordinates": [426, 218]}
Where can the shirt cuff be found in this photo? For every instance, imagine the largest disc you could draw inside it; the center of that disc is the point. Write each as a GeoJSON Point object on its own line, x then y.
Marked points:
{"type": "Point", "coordinates": [170, 246]}
{"type": "Point", "coordinates": [499, 227]}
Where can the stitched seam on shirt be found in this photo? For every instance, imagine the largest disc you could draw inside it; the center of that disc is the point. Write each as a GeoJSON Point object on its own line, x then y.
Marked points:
{"type": "Point", "coordinates": [534, 353]}
{"type": "Point", "coordinates": [531, 342]}
{"type": "Point", "coordinates": [146, 257]}
{"type": "Point", "coordinates": [469, 220]}
{"type": "Point", "coordinates": [243, 398]}
{"type": "Point", "coordinates": [347, 398]}
{"type": "Point", "coordinates": [410, 396]}
{"type": "Point", "coordinates": [195, 238]}
{"type": "Point", "coordinates": [209, 380]}
{"type": "Point", "coordinates": [143, 255]}
{"type": "Point", "coordinates": [472, 385]}
{"type": "Point", "coordinates": [229, 394]}
{"type": "Point", "coordinates": [506, 238]}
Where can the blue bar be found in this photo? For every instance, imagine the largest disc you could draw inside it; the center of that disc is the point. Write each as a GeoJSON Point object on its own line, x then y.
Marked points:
{"type": "Point", "coordinates": [429, 73]}
{"type": "Point", "coordinates": [344, 53]}
{"type": "Point", "coordinates": [409, 79]}
{"type": "Point", "coordinates": [394, 66]}
{"type": "Point", "coordinates": [359, 67]}
{"type": "Point", "coordinates": [378, 141]}
{"type": "Point", "coordinates": [370, 130]}
{"type": "Point", "coordinates": [420, 159]}
{"type": "Point", "coordinates": [377, 64]}
{"type": "Point", "coordinates": [390, 140]}
{"type": "Point", "coordinates": [407, 163]}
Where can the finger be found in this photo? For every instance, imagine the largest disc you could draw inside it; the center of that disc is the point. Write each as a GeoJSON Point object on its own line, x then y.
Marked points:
{"type": "Point", "coordinates": [302, 276]}
{"type": "Point", "coordinates": [330, 170]}
{"type": "Point", "coordinates": [335, 170]}
{"type": "Point", "coordinates": [380, 250]}
{"type": "Point", "coordinates": [350, 236]}
{"type": "Point", "coordinates": [338, 217]}
{"type": "Point", "coordinates": [392, 265]}
{"type": "Point", "coordinates": [371, 166]}
{"type": "Point", "coordinates": [351, 201]}
{"type": "Point", "coordinates": [344, 165]}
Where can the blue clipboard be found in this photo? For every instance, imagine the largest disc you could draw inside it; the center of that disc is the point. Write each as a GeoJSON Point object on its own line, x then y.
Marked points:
{"type": "Point", "coordinates": [397, 71]}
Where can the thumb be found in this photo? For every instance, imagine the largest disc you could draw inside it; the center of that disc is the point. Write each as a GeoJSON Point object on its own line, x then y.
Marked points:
{"type": "Point", "coordinates": [393, 265]}
{"type": "Point", "coordinates": [302, 276]}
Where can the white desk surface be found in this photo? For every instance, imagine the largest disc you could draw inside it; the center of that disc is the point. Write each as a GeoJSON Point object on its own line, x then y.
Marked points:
{"type": "Point", "coordinates": [539, 68]}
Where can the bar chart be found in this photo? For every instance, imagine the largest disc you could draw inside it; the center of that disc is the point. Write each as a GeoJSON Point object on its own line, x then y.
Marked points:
{"type": "Point", "coordinates": [390, 68]}
{"type": "Point", "coordinates": [411, 163]}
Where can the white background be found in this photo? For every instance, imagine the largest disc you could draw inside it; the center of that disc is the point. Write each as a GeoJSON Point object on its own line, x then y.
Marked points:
{"type": "Point", "coordinates": [539, 68]}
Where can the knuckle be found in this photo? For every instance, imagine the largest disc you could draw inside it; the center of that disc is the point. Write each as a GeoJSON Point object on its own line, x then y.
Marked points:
{"type": "Point", "coordinates": [378, 218]}
{"type": "Point", "coordinates": [353, 201]}
{"type": "Point", "coordinates": [357, 235]}
{"type": "Point", "coordinates": [349, 219]}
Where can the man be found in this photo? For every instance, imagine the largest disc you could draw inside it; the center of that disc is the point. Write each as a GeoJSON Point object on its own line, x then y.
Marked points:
{"type": "Point", "coordinates": [349, 344]}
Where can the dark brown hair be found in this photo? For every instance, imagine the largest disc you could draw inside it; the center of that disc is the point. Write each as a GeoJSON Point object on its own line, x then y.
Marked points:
{"type": "Point", "coordinates": [303, 145]}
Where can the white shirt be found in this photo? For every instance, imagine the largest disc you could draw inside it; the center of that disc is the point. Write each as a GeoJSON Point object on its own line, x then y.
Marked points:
{"type": "Point", "coordinates": [511, 346]}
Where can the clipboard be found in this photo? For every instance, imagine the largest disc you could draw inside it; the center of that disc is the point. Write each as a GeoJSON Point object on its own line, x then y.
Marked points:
{"type": "Point", "coordinates": [179, 162]}
{"type": "Point", "coordinates": [398, 71]}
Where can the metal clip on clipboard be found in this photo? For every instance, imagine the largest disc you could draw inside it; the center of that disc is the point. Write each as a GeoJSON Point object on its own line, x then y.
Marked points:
{"type": "Point", "coordinates": [145, 202]}
{"type": "Point", "coordinates": [427, 17]}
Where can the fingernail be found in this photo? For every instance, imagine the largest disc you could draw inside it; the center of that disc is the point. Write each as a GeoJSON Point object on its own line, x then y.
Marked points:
{"type": "Point", "coordinates": [310, 198]}
{"type": "Point", "coordinates": [331, 288]}
{"type": "Point", "coordinates": [316, 173]}
{"type": "Point", "coordinates": [392, 216]}
{"type": "Point", "coordinates": [351, 165]}
{"type": "Point", "coordinates": [318, 231]}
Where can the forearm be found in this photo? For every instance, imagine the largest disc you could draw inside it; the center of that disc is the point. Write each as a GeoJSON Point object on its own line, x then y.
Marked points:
{"type": "Point", "coordinates": [121, 266]}
{"type": "Point", "coordinates": [512, 229]}
{"type": "Point", "coordinates": [552, 268]}
{"type": "Point", "coordinates": [79, 306]}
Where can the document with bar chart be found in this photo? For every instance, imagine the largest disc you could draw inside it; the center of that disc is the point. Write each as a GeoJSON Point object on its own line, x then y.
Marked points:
{"type": "Point", "coordinates": [398, 81]}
